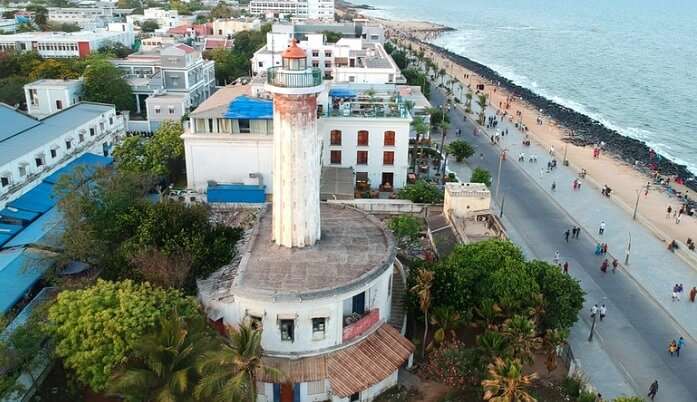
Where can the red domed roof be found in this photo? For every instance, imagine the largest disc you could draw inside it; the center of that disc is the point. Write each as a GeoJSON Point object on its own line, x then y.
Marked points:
{"type": "Point", "coordinates": [293, 51]}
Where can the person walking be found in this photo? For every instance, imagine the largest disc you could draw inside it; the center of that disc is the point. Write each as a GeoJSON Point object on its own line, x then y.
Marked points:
{"type": "Point", "coordinates": [681, 344]}
{"type": "Point", "coordinates": [598, 249]}
{"type": "Point", "coordinates": [578, 231]}
{"type": "Point", "coordinates": [603, 266]}
{"type": "Point", "coordinates": [566, 267]}
{"type": "Point", "coordinates": [603, 312]}
{"type": "Point", "coordinates": [566, 235]}
{"type": "Point", "coordinates": [653, 390]}
{"type": "Point", "coordinates": [693, 294]}
{"type": "Point", "coordinates": [614, 265]}
{"type": "Point", "coordinates": [672, 348]}
{"type": "Point", "coordinates": [594, 310]}
{"type": "Point", "coordinates": [668, 211]}
{"type": "Point", "coordinates": [676, 294]}
{"type": "Point", "coordinates": [556, 257]}
{"type": "Point", "coordinates": [554, 186]}
{"type": "Point", "coordinates": [601, 229]}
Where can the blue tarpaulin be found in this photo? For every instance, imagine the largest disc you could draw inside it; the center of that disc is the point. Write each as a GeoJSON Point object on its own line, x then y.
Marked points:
{"type": "Point", "coordinates": [39, 199]}
{"type": "Point", "coordinates": [89, 161]}
{"type": "Point", "coordinates": [44, 231]}
{"type": "Point", "coordinates": [237, 193]}
{"type": "Point", "coordinates": [244, 107]}
{"type": "Point", "coordinates": [7, 231]}
{"type": "Point", "coordinates": [342, 93]}
{"type": "Point", "coordinates": [19, 271]}
{"type": "Point", "coordinates": [15, 214]}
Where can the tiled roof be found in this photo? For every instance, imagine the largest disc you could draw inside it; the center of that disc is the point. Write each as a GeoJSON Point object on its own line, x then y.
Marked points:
{"type": "Point", "coordinates": [185, 48]}
{"type": "Point", "coordinates": [349, 370]}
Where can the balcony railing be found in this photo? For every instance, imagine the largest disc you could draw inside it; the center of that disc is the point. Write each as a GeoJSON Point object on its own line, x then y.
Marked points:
{"type": "Point", "coordinates": [279, 77]}
{"type": "Point", "coordinates": [359, 327]}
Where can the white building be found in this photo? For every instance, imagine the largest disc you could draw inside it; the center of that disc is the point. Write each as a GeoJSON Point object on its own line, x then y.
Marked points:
{"type": "Point", "coordinates": [8, 25]}
{"type": "Point", "coordinates": [67, 44]}
{"type": "Point", "coordinates": [311, 9]}
{"type": "Point", "coordinates": [319, 279]}
{"type": "Point", "coordinates": [47, 96]}
{"type": "Point", "coordinates": [231, 26]}
{"type": "Point", "coordinates": [31, 149]}
{"type": "Point", "coordinates": [84, 17]}
{"type": "Point", "coordinates": [165, 19]}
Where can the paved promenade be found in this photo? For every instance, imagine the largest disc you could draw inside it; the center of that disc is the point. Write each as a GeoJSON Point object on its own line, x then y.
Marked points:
{"type": "Point", "coordinates": [642, 319]}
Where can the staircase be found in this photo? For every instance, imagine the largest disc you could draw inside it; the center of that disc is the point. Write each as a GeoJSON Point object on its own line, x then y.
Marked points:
{"type": "Point", "coordinates": [398, 308]}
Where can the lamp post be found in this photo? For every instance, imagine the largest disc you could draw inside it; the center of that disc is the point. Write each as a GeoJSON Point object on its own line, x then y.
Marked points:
{"type": "Point", "coordinates": [590, 336]}
{"type": "Point", "coordinates": [629, 248]}
{"type": "Point", "coordinates": [638, 195]}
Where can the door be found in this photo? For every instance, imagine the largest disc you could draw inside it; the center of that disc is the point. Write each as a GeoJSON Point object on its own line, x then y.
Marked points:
{"type": "Point", "coordinates": [388, 178]}
{"type": "Point", "coordinates": [359, 303]}
{"type": "Point", "coordinates": [287, 394]}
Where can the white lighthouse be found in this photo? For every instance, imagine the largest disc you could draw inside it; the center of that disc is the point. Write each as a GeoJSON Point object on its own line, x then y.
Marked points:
{"type": "Point", "coordinates": [296, 149]}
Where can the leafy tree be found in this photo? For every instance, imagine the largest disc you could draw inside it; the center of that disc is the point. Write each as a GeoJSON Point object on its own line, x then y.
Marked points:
{"type": "Point", "coordinates": [149, 26]}
{"type": "Point", "coordinates": [115, 50]}
{"type": "Point", "coordinates": [562, 295]}
{"type": "Point", "coordinates": [507, 383]}
{"type": "Point", "coordinates": [448, 321]}
{"type": "Point", "coordinates": [161, 155]}
{"type": "Point", "coordinates": [415, 77]}
{"type": "Point", "coordinates": [421, 192]}
{"type": "Point", "coordinates": [221, 10]}
{"type": "Point", "coordinates": [54, 69]}
{"type": "Point", "coordinates": [160, 269]}
{"type": "Point", "coordinates": [400, 59]}
{"type": "Point", "coordinates": [480, 175]}
{"type": "Point", "coordinates": [162, 365]}
{"type": "Point", "coordinates": [421, 129]}
{"type": "Point", "coordinates": [461, 150]}
{"type": "Point", "coordinates": [389, 47]}
{"type": "Point", "coordinates": [438, 116]}
{"type": "Point", "coordinates": [229, 65]}
{"type": "Point", "coordinates": [512, 287]}
{"type": "Point", "coordinates": [482, 101]}
{"type": "Point", "coordinates": [422, 289]}
{"type": "Point", "coordinates": [63, 27]}
{"type": "Point", "coordinates": [553, 338]}
{"type": "Point", "coordinates": [406, 229]}
{"type": "Point", "coordinates": [40, 15]}
{"type": "Point", "coordinates": [103, 82]}
{"type": "Point", "coordinates": [12, 90]}
{"type": "Point", "coordinates": [492, 345]}
{"type": "Point", "coordinates": [468, 102]}
{"type": "Point", "coordinates": [96, 328]}
{"type": "Point", "coordinates": [332, 37]}
{"type": "Point", "coordinates": [230, 372]}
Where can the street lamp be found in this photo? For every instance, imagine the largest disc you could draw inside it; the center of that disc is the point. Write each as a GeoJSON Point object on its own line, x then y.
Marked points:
{"type": "Point", "coordinates": [638, 195]}
{"type": "Point", "coordinates": [629, 248]}
{"type": "Point", "coordinates": [590, 336]}
{"type": "Point", "coordinates": [498, 181]}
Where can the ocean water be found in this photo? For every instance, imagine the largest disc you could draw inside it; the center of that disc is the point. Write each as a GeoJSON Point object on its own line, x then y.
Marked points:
{"type": "Point", "coordinates": [630, 64]}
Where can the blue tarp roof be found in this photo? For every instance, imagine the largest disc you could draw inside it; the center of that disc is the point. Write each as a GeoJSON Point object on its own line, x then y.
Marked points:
{"type": "Point", "coordinates": [7, 231]}
{"type": "Point", "coordinates": [20, 269]}
{"type": "Point", "coordinates": [342, 93]}
{"type": "Point", "coordinates": [244, 107]}
{"type": "Point", "coordinates": [41, 232]}
{"type": "Point", "coordinates": [39, 199]}
{"type": "Point", "coordinates": [18, 214]}
{"type": "Point", "coordinates": [236, 193]}
{"type": "Point", "coordinates": [90, 161]}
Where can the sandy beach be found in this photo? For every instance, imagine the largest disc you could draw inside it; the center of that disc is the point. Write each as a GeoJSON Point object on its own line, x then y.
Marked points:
{"type": "Point", "coordinates": [625, 181]}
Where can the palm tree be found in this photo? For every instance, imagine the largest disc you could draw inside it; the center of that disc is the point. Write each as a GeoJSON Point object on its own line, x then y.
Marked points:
{"type": "Point", "coordinates": [421, 128]}
{"type": "Point", "coordinates": [481, 101]}
{"type": "Point", "coordinates": [493, 345]}
{"type": "Point", "coordinates": [489, 312]}
{"type": "Point", "coordinates": [520, 332]}
{"type": "Point", "coordinates": [163, 365]}
{"type": "Point", "coordinates": [230, 372]}
{"type": "Point", "coordinates": [506, 382]}
{"type": "Point", "coordinates": [448, 321]}
{"type": "Point", "coordinates": [424, 281]}
{"type": "Point", "coordinates": [441, 74]}
{"type": "Point", "coordinates": [552, 340]}
{"type": "Point", "coordinates": [468, 102]}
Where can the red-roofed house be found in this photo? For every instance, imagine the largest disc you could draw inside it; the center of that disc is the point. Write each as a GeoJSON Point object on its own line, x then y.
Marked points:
{"type": "Point", "coordinates": [217, 43]}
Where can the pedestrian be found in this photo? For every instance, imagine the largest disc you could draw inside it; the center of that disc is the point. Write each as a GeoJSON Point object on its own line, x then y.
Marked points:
{"type": "Point", "coordinates": [554, 185]}
{"type": "Point", "coordinates": [601, 229]}
{"type": "Point", "coordinates": [578, 231]}
{"type": "Point", "coordinates": [566, 267]}
{"type": "Point", "coordinates": [653, 389]}
{"type": "Point", "coordinates": [693, 294]}
{"type": "Point", "coordinates": [614, 265]}
{"type": "Point", "coordinates": [603, 266]}
{"type": "Point", "coordinates": [556, 257]}
{"type": "Point", "coordinates": [676, 294]}
{"type": "Point", "coordinates": [566, 235]}
{"type": "Point", "coordinates": [681, 344]}
{"type": "Point", "coordinates": [603, 312]}
{"type": "Point", "coordinates": [594, 310]}
{"type": "Point", "coordinates": [668, 211]}
{"type": "Point", "coordinates": [604, 248]}
{"type": "Point", "coordinates": [598, 249]}
{"type": "Point", "coordinates": [672, 348]}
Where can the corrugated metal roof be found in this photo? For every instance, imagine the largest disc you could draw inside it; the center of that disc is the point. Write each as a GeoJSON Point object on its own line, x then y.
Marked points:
{"type": "Point", "coordinates": [44, 231]}
{"type": "Point", "coordinates": [15, 214]}
{"type": "Point", "coordinates": [19, 271]}
{"type": "Point", "coordinates": [91, 162]}
{"type": "Point", "coordinates": [25, 137]}
{"type": "Point", "coordinates": [245, 107]}
{"type": "Point", "coordinates": [39, 199]}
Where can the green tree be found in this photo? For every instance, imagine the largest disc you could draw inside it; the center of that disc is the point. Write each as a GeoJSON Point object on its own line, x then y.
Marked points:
{"type": "Point", "coordinates": [40, 15]}
{"type": "Point", "coordinates": [115, 50]}
{"type": "Point", "coordinates": [229, 373]}
{"type": "Point", "coordinates": [130, 155]}
{"type": "Point", "coordinates": [507, 383]}
{"type": "Point", "coordinates": [562, 295]}
{"type": "Point", "coordinates": [400, 59]}
{"type": "Point", "coordinates": [332, 37]}
{"type": "Point", "coordinates": [421, 128]}
{"type": "Point", "coordinates": [63, 27]}
{"type": "Point", "coordinates": [552, 340]}
{"type": "Point", "coordinates": [480, 175]}
{"type": "Point", "coordinates": [12, 90]}
{"type": "Point", "coordinates": [461, 150]}
{"type": "Point", "coordinates": [96, 328]}
{"type": "Point", "coordinates": [162, 364]}
{"type": "Point", "coordinates": [448, 321]}
{"type": "Point", "coordinates": [221, 10]}
{"type": "Point", "coordinates": [103, 82]}
{"type": "Point", "coordinates": [161, 155]}
{"type": "Point", "coordinates": [422, 289]}
{"type": "Point", "coordinates": [438, 116]}
{"type": "Point", "coordinates": [482, 101]}
{"type": "Point", "coordinates": [492, 345]}
{"type": "Point", "coordinates": [520, 334]}
{"type": "Point", "coordinates": [406, 230]}
{"type": "Point", "coordinates": [149, 26]}
{"type": "Point", "coordinates": [468, 102]}
{"type": "Point", "coordinates": [421, 192]}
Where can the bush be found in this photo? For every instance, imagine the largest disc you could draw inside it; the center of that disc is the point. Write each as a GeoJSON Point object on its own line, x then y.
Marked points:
{"type": "Point", "coordinates": [406, 229]}
{"type": "Point", "coordinates": [480, 175]}
{"type": "Point", "coordinates": [461, 150]}
{"type": "Point", "coordinates": [421, 192]}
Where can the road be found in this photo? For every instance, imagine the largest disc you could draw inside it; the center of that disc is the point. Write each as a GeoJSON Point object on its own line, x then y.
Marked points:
{"type": "Point", "coordinates": [635, 335]}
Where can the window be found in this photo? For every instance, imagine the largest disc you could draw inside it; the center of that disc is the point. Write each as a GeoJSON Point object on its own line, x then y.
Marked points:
{"type": "Point", "coordinates": [5, 181]}
{"type": "Point", "coordinates": [101, 127]}
{"type": "Point", "coordinates": [81, 138]}
{"type": "Point", "coordinates": [335, 137]}
{"type": "Point", "coordinates": [315, 387]}
{"type": "Point", "coordinates": [111, 121]}
{"type": "Point", "coordinates": [318, 328]}
{"type": "Point", "coordinates": [352, 78]}
{"type": "Point", "coordinates": [362, 157]}
{"type": "Point", "coordinates": [335, 157]}
{"type": "Point", "coordinates": [355, 397]}
{"type": "Point", "coordinates": [255, 322]}
{"type": "Point", "coordinates": [54, 152]}
{"type": "Point", "coordinates": [91, 131]}
{"type": "Point", "coordinates": [389, 138]}
{"type": "Point", "coordinates": [170, 109]}
{"type": "Point", "coordinates": [244, 125]}
{"type": "Point", "coordinates": [59, 104]}
{"type": "Point", "coordinates": [261, 64]}
{"type": "Point", "coordinates": [327, 53]}
{"type": "Point", "coordinates": [287, 329]}
{"type": "Point", "coordinates": [362, 137]}
{"type": "Point", "coordinates": [68, 144]}
{"type": "Point", "coordinates": [39, 160]}
{"type": "Point", "coordinates": [22, 170]}
{"type": "Point", "coordinates": [315, 53]}
{"type": "Point", "coordinates": [315, 64]}
{"type": "Point", "coordinates": [388, 158]}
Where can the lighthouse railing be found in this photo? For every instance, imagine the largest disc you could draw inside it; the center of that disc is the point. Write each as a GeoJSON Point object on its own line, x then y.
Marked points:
{"type": "Point", "coordinates": [279, 77]}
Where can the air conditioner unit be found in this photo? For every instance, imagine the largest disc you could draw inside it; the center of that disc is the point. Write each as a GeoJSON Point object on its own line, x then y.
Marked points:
{"type": "Point", "coordinates": [254, 179]}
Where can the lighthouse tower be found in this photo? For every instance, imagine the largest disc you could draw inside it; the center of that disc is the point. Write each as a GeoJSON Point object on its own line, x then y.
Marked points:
{"type": "Point", "coordinates": [296, 149]}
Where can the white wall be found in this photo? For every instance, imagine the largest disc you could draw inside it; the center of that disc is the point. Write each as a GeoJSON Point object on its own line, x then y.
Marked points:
{"type": "Point", "coordinates": [376, 128]}
{"type": "Point", "coordinates": [48, 95]}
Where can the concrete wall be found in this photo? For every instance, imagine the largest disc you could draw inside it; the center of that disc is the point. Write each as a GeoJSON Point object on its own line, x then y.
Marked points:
{"type": "Point", "coordinates": [46, 97]}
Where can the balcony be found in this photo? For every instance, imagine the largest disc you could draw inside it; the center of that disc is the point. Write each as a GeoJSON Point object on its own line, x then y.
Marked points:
{"type": "Point", "coordinates": [279, 77]}
{"type": "Point", "coordinates": [360, 326]}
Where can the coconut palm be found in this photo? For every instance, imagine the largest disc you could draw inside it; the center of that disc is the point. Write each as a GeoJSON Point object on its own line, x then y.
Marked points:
{"type": "Point", "coordinates": [424, 281]}
{"type": "Point", "coordinates": [507, 383]}
{"type": "Point", "coordinates": [489, 313]}
{"type": "Point", "coordinates": [493, 345]}
{"type": "Point", "coordinates": [229, 373]}
{"type": "Point", "coordinates": [421, 128]}
{"type": "Point", "coordinates": [552, 340]}
{"type": "Point", "coordinates": [163, 363]}
{"type": "Point", "coordinates": [520, 333]}
{"type": "Point", "coordinates": [448, 320]}
{"type": "Point", "coordinates": [468, 102]}
{"type": "Point", "coordinates": [481, 101]}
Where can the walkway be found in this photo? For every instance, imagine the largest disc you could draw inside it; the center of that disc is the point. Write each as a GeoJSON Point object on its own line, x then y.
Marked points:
{"type": "Point", "coordinates": [641, 317]}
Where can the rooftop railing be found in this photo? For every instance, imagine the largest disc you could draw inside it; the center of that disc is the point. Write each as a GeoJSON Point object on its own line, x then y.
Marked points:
{"type": "Point", "coordinates": [279, 77]}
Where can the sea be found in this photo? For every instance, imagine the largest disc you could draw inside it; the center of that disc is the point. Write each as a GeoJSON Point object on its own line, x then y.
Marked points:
{"type": "Point", "coordinates": [630, 64]}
